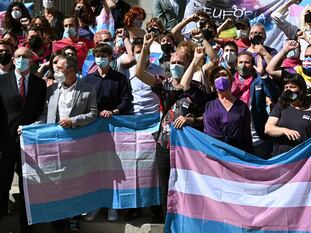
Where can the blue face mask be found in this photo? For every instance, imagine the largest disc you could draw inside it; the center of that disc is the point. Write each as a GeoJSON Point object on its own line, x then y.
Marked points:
{"type": "Point", "coordinates": [69, 32]}
{"type": "Point", "coordinates": [22, 64]}
{"type": "Point", "coordinates": [177, 71]}
{"type": "Point", "coordinates": [102, 62]}
{"type": "Point", "coordinates": [119, 42]}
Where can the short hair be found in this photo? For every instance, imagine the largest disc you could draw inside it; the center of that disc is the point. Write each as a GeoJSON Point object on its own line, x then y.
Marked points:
{"type": "Point", "coordinates": [231, 43]}
{"type": "Point", "coordinates": [36, 29]}
{"type": "Point", "coordinates": [259, 25]}
{"type": "Point", "coordinates": [188, 47]}
{"type": "Point", "coordinates": [248, 54]}
{"type": "Point", "coordinates": [212, 74]}
{"type": "Point", "coordinates": [98, 34]}
{"type": "Point", "coordinates": [137, 42]}
{"type": "Point", "coordinates": [102, 49]}
{"type": "Point", "coordinates": [71, 62]}
{"type": "Point", "coordinates": [203, 14]}
{"type": "Point", "coordinates": [133, 13]}
{"type": "Point", "coordinates": [74, 18]}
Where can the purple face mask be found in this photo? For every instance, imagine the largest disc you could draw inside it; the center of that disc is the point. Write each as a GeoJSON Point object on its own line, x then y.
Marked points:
{"type": "Point", "coordinates": [222, 83]}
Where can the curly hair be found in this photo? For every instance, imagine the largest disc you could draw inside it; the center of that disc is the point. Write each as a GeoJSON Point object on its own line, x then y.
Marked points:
{"type": "Point", "coordinates": [9, 22]}
{"type": "Point", "coordinates": [89, 18]}
{"type": "Point", "coordinates": [133, 13]}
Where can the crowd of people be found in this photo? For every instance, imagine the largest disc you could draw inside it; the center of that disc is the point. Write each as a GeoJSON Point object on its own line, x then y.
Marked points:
{"type": "Point", "coordinates": [99, 62]}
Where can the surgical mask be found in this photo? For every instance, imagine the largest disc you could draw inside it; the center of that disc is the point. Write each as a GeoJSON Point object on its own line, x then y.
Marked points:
{"type": "Point", "coordinates": [242, 34]}
{"type": "Point", "coordinates": [293, 53]}
{"type": "Point", "coordinates": [222, 83]}
{"type": "Point", "coordinates": [119, 42]}
{"type": "Point", "coordinates": [137, 23]}
{"type": "Point", "coordinates": [102, 62]}
{"type": "Point", "coordinates": [47, 3]}
{"type": "Point", "coordinates": [290, 96]}
{"type": "Point", "coordinates": [22, 64]}
{"type": "Point", "coordinates": [244, 71]}
{"type": "Point", "coordinates": [16, 14]}
{"type": "Point", "coordinates": [70, 32]}
{"type": "Point", "coordinates": [257, 39]}
{"type": "Point", "coordinates": [177, 71]}
{"type": "Point", "coordinates": [59, 76]}
{"type": "Point", "coordinates": [5, 58]}
{"type": "Point", "coordinates": [230, 58]}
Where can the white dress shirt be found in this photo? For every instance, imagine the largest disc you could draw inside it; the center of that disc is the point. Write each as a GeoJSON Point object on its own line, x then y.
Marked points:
{"type": "Point", "coordinates": [65, 100]}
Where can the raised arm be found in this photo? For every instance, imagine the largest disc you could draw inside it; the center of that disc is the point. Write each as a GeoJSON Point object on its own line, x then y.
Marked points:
{"type": "Point", "coordinates": [176, 31]}
{"type": "Point", "coordinates": [187, 77]}
{"type": "Point", "coordinates": [228, 23]}
{"type": "Point", "coordinates": [141, 72]}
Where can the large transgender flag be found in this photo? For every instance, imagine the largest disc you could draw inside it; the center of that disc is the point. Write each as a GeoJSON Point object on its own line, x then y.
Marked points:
{"type": "Point", "coordinates": [216, 188]}
{"type": "Point", "coordinates": [110, 163]}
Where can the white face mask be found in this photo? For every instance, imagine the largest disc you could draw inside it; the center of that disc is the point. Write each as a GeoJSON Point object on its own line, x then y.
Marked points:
{"type": "Point", "coordinates": [241, 34]}
{"type": "Point", "coordinates": [59, 76]}
{"type": "Point", "coordinates": [16, 14]}
{"type": "Point", "coordinates": [230, 58]}
{"type": "Point", "coordinates": [48, 3]}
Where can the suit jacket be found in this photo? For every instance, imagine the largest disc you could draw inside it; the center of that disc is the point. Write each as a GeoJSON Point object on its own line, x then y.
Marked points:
{"type": "Point", "coordinates": [4, 132]}
{"type": "Point", "coordinates": [83, 110]}
{"type": "Point", "coordinates": [16, 113]}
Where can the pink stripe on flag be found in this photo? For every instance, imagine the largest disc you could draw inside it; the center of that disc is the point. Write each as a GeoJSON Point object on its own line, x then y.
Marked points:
{"type": "Point", "coordinates": [135, 179]}
{"type": "Point", "coordinates": [199, 162]}
{"type": "Point", "coordinates": [295, 11]}
{"type": "Point", "coordinates": [259, 218]}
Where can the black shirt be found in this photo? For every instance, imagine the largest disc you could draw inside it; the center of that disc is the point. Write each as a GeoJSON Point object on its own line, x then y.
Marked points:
{"type": "Point", "coordinates": [113, 91]}
{"type": "Point", "coordinates": [293, 119]}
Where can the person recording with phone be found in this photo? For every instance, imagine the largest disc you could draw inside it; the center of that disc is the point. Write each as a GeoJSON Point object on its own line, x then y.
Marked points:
{"type": "Point", "coordinates": [290, 120]}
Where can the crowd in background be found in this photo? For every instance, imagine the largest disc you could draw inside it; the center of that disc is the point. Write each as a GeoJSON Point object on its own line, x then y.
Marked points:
{"type": "Point", "coordinates": [99, 61]}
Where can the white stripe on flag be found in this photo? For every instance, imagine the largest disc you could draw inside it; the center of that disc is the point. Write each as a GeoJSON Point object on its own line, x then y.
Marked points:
{"type": "Point", "coordinates": [246, 194]}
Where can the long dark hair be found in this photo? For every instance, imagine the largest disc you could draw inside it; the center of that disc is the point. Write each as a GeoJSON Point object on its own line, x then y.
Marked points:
{"type": "Point", "coordinates": [9, 22]}
{"type": "Point", "coordinates": [298, 80]}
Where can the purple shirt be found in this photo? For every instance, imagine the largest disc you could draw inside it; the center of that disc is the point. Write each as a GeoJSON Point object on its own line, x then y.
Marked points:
{"type": "Point", "coordinates": [232, 127]}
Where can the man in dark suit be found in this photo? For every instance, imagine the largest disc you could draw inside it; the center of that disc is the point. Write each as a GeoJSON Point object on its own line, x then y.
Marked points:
{"type": "Point", "coordinates": [23, 97]}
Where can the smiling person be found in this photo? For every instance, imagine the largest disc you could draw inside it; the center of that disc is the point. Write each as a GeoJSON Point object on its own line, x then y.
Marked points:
{"type": "Point", "coordinates": [290, 120]}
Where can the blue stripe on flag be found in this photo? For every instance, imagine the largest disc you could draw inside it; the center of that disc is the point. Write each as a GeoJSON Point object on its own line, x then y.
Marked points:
{"type": "Point", "coordinates": [176, 223]}
{"type": "Point", "coordinates": [195, 140]}
{"type": "Point", "coordinates": [92, 201]}
{"type": "Point", "coordinates": [118, 124]}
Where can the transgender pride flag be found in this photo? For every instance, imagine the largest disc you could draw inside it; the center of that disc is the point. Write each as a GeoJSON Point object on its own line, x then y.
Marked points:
{"type": "Point", "coordinates": [216, 188]}
{"type": "Point", "coordinates": [110, 163]}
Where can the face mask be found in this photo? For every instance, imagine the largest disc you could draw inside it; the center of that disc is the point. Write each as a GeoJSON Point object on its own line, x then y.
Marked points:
{"type": "Point", "coordinates": [308, 17]}
{"type": "Point", "coordinates": [80, 13]}
{"type": "Point", "coordinates": [294, 53]}
{"type": "Point", "coordinates": [306, 64]}
{"type": "Point", "coordinates": [35, 43]}
{"type": "Point", "coordinates": [208, 34]}
{"type": "Point", "coordinates": [102, 62]}
{"type": "Point", "coordinates": [153, 30]}
{"type": "Point", "coordinates": [137, 55]}
{"type": "Point", "coordinates": [59, 76]}
{"type": "Point", "coordinates": [16, 14]}
{"type": "Point", "coordinates": [222, 83]}
{"type": "Point", "coordinates": [137, 23]}
{"type": "Point", "coordinates": [242, 34]}
{"type": "Point", "coordinates": [69, 32]}
{"type": "Point", "coordinates": [290, 96]}
{"type": "Point", "coordinates": [119, 42]}
{"type": "Point", "coordinates": [201, 24]}
{"type": "Point", "coordinates": [5, 58]}
{"type": "Point", "coordinates": [257, 39]}
{"type": "Point", "coordinates": [167, 48]}
{"type": "Point", "coordinates": [47, 3]}
{"type": "Point", "coordinates": [230, 58]}
{"type": "Point", "coordinates": [177, 71]}
{"type": "Point", "coordinates": [22, 64]}
{"type": "Point", "coordinates": [244, 71]}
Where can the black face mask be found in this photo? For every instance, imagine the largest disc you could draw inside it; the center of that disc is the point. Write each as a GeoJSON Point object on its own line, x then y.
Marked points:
{"type": "Point", "coordinates": [290, 96]}
{"type": "Point", "coordinates": [308, 17]}
{"type": "Point", "coordinates": [208, 34]}
{"type": "Point", "coordinates": [5, 58]}
{"type": "Point", "coordinates": [80, 13]}
{"type": "Point", "coordinates": [167, 48]}
{"type": "Point", "coordinates": [155, 31]}
{"type": "Point", "coordinates": [257, 39]}
{"type": "Point", "coordinates": [35, 43]}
